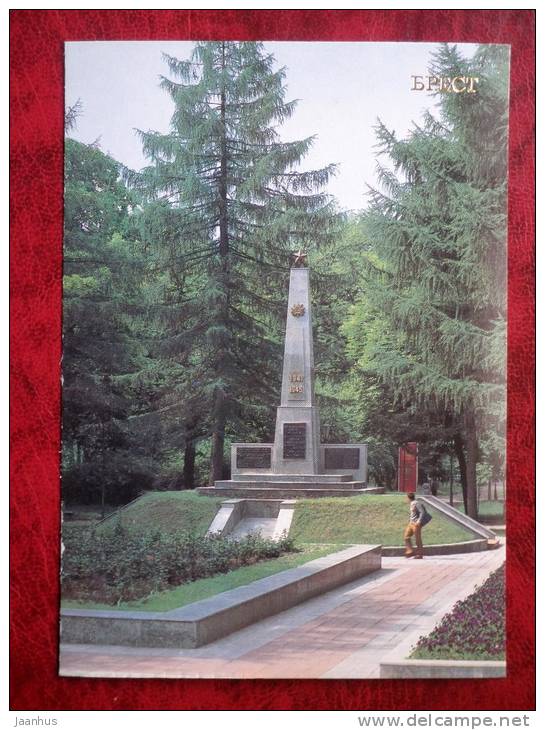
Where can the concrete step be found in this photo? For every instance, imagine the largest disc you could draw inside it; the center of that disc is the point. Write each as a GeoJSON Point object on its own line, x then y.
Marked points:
{"type": "Point", "coordinates": [284, 493]}
{"type": "Point", "coordinates": [304, 478]}
{"type": "Point", "coordinates": [264, 525]}
{"type": "Point", "coordinates": [286, 484]}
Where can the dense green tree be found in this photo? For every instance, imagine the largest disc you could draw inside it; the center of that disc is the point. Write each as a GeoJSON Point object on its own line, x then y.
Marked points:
{"type": "Point", "coordinates": [174, 291]}
{"type": "Point", "coordinates": [100, 353]}
{"type": "Point", "coordinates": [225, 207]}
{"type": "Point", "coordinates": [434, 299]}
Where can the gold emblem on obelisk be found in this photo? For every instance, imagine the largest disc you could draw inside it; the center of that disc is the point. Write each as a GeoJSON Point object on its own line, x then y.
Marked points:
{"type": "Point", "coordinates": [299, 258]}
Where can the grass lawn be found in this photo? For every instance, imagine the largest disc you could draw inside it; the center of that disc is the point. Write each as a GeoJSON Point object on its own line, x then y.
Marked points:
{"type": "Point", "coordinates": [491, 509]}
{"type": "Point", "coordinates": [488, 510]}
{"type": "Point", "coordinates": [206, 587]}
{"type": "Point", "coordinates": [169, 511]}
{"type": "Point", "coordinates": [370, 518]}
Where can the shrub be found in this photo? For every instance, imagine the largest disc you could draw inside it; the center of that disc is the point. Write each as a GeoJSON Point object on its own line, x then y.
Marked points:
{"type": "Point", "coordinates": [125, 565]}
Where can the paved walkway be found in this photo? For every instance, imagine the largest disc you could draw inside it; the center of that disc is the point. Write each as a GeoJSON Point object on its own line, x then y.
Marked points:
{"type": "Point", "coordinates": [345, 633]}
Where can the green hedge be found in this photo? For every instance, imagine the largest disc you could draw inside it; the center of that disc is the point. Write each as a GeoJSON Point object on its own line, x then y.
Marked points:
{"type": "Point", "coordinates": [123, 565]}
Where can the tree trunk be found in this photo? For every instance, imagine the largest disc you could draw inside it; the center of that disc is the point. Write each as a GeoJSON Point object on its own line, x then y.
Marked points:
{"type": "Point", "coordinates": [472, 455]}
{"type": "Point", "coordinates": [189, 464]}
{"type": "Point", "coordinates": [103, 480]}
{"type": "Point", "coordinates": [218, 431]}
{"type": "Point", "coordinates": [460, 455]}
{"type": "Point", "coordinates": [216, 451]}
{"type": "Point", "coordinates": [451, 491]}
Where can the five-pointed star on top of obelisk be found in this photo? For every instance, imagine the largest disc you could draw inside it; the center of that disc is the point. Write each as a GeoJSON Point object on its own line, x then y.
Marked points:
{"type": "Point", "coordinates": [300, 258]}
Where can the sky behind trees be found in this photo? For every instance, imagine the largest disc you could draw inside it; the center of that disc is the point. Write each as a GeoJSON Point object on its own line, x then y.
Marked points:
{"type": "Point", "coordinates": [342, 88]}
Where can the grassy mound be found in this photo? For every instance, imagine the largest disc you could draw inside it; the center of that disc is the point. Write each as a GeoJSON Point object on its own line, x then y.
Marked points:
{"type": "Point", "coordinates": [170, 512]}
{"type": "Point", "coordinates": [371, 518]}
{"type": "Point", "coordinates": [318, 527]}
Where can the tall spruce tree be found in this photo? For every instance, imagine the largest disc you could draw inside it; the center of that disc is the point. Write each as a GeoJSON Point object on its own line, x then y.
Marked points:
{"type": "Point", "coordinates": [435, 285]}
{"type": "Point", "coordinates": [101, 352]}
{"type": "Point", "coordinates": [225, 207]}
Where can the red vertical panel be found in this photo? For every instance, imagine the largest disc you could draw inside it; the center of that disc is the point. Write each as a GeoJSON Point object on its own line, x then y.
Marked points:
{"type": "Point", "coordinates": [407, 474]}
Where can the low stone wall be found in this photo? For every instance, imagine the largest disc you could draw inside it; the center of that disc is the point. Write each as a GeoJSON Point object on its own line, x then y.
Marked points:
{"type": "Point", "coordinates": [229, 513]}
{"type": "Point", "coordinates": [441, 669]}
{"type": "Point", "coordinates": [454, 548]}
{"type": "Point", "coordinates": [457, 517]}
{"type": "Point", "coordinates": [215, 617]}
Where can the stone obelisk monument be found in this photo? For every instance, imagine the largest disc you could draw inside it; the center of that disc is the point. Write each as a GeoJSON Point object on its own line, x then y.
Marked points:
{"type": "Point", "coordinates": [296, 447]}
{"type": "Point", "coordinates": [296, 464]}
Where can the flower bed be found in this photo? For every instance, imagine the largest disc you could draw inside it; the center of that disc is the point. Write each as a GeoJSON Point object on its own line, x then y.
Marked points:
{"type": "Point", "coordinates": [474, 629]}
{"type": "Point", "coordinates": [123, 565]}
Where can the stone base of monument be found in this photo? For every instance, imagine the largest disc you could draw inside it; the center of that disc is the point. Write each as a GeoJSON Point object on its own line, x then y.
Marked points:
{"type": "Point", "coordinates": [256, 473]}
{"type": "Point", "coordinates": [318, 479]}
{"type": "Point", "coordinates": [291, 481]}
{"type": "Point", "coordinates": [286, 490]}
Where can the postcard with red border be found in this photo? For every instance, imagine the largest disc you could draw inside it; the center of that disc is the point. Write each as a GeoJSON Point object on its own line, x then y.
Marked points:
{"type": "Point", "coordinates": [175, 292]}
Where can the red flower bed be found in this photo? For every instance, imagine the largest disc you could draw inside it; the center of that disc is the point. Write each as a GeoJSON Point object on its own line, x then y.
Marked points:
{"type": "Point", "coordinates": [474, 629]}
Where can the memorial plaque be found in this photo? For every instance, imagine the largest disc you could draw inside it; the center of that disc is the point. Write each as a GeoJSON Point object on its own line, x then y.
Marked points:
{"type": "Point", "coordinates": [295, 440]}
{"type": "Point", "coordinates": [258, 458]}
{"type": "Point", "coordinates": [342, 458]}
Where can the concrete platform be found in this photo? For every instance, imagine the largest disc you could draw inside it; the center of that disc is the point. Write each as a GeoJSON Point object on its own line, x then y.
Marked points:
{"type": "Point", "coordinates": [281, 492]}
{"type": "Point", "coordinates": [212, 618]}
{"type": "Point", "coordinates": [239, 517]}
{"type": "Point", "coordinates": [265, 526]}
{"type": "Point", "coordinates": [287, 484]}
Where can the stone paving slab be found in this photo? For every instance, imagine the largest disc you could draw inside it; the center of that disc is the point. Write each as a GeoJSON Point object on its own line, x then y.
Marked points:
{"type": "Point", "coordinates": [345, 633]}
{"type": "Point", "coordinates": [396, 642]}
{"type": "Point", "coordinates": [265, 526]}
